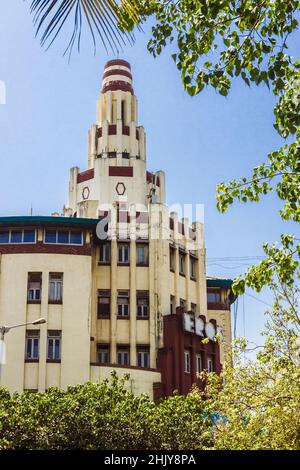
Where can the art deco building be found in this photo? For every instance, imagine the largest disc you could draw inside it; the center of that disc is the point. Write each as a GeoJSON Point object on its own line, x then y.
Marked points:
{"type": "Point", "coordinates": [120, 281]}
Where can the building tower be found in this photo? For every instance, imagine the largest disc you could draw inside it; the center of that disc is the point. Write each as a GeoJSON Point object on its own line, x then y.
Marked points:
{"type": "Point", "coordinates": [116, 152]}
{"type": "Point", "coordinates": [119, 278]}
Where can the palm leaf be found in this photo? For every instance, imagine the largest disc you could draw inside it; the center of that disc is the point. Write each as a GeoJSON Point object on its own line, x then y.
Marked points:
{"type": "Point", "coordinates": [100, 16]}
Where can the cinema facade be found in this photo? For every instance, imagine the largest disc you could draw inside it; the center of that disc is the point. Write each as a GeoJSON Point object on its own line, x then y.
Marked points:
{"type": "Point", "coordinates": [120, 280]}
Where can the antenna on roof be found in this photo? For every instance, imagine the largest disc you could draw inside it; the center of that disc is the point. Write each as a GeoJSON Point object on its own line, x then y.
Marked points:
{"type": "Point", "coordinates": [31, 210]}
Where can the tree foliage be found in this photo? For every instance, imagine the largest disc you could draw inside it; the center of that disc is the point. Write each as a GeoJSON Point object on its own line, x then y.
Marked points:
{"type": "Point", "coordinates": [101, 416]}
{"type": "Point", "coordinates": [101, 18]}
{"type": "Point", "coordinates": [217, 42]}
{"type": "Point", "coordinates": [260, 399]}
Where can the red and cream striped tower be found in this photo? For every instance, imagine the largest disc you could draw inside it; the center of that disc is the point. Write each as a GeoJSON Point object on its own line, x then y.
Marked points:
{"type": "Point", "coordinates": [117, 134]}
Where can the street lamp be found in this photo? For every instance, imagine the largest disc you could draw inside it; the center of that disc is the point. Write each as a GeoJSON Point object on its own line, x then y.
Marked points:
{"type": "Point", "coordinates": [5, 329]}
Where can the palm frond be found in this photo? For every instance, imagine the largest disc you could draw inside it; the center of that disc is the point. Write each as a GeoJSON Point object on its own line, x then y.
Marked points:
{"type": "Point", "coordinates": [100, 16]}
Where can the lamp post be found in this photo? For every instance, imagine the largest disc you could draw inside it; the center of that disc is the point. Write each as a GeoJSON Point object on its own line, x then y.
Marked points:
{"type": "Point", "coordinates": [5, 329]}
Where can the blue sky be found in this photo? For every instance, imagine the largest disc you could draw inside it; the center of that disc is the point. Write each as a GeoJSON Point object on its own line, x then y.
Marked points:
{"type": "Point", "coordinates": [198, 141]}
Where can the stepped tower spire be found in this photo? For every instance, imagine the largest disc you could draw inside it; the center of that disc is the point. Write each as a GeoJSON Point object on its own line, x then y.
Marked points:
{"type": "Point", "coordinates": [117, 134]}
{"type": "Point", "coordinates": [116, 152]}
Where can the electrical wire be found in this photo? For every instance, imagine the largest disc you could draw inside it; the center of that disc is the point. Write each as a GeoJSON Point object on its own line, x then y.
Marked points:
{"type": "Point", "coordinates": [258, 300]}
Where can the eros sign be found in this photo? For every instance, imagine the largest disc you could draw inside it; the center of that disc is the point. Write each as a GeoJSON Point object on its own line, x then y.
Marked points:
{"type": "Point", "coordinates": [198, 326]}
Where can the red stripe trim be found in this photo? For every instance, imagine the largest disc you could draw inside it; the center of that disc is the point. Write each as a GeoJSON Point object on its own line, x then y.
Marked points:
{"type": "Point", "coordinates": [117, 85]}
{"type": "Point", "coordinates": [122, 62]}
{"type": "Point", "coordinates": [85, 175]}
{"type": "Point", "coordinates": [40, 247]}
{"type": "Point", "coordinates": [112, 130]}
{"type": "Point", "coordinates": [108, 73]}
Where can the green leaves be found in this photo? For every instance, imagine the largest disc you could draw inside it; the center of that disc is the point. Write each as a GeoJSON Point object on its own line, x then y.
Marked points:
{"type": "Point", "coordinates": [253, 33]}
{"type": "Point", "coordinates": [101, 416]}
{"type": "Point", "coordinates": [282, 175]}
{"type": "Point", "coordinates": [260, 397]}
{"type": "Point", "coordinates": [217, 41]}
{"type": "Point", "coordinates": [282, 263]}
{"type": "Point", "coordinates": [101, 17]}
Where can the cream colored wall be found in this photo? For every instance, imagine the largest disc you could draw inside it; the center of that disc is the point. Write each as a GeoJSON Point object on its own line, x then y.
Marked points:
{"type": "Point", "coordinates": [141, 381]}
{"type": "Point", "coordinates": [115, 331]}
{"type": "Point", "coordinates": [72, 318]}
{"type": "Point", "coordinates": [223, 319]}
{"type": "Point", "coordinates": [161, 284]}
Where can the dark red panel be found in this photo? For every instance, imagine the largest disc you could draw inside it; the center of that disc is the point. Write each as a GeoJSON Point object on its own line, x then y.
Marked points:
{"type": "Point", "coordinates": [126, 130]}
{"type": "Point", "coordinates": [218, 306]}
{"type": "Point", "coordinates": [85, 175]}
{"type": "Point", "coordinates": [120, 171]}
{"type": "Point", "coordinates": [112, 129]}
{"type": "Point", "coordinates": [151, 178]}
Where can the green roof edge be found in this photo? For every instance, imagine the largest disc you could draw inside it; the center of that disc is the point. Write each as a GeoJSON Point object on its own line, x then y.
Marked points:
{"type": "Point", "coordinates": [219, 282]}
{"type": "Point", "coordinates": [47, 220]}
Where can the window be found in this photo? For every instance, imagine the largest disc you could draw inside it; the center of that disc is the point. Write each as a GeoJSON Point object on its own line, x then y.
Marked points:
{"type": "Point", "coordinates": [54, 345]}
{"type": "Point", "coordinates": [4, 236]}
{"type": "Point", "coordinates": [32, 344]}
{"type": "Point", "coordinates": [172, 257]}
{"type": "Point", "coordinates": [123, 304]}
{"type": "Point", "coordinates": [123, 355]}
{"type": "Point", "coordinates": [199, 367]}
{"type": "Point", "coordinates": [172, 304]}
{"type": "Point", "coordinates": [17, 236]}
{"type": "Point", "coordinates": [34, 287]}
{"type": "Point", "coordinates": [182, 303]}
{"type": "Point", "coordinates": [103, 354]}
{"type": "Point", "coordinates": [142, 304]}
{"type": "Point", "coordinates": [55, 287]}
{"type": "Point", "coordinates": [142, 255]}
{"type": "Point", "coordinates": [181, 263]}
{"type": "Point", "coordinates": [125, 155]}
{"type": "Point", "coordinates": [112, 154]}
{"type": "Point", "coordinates": [63, 237]}
{"type": "Point", "coordinates": [187, 362]}
{"type": "Point", "coordinates": [143, 357]}
{"type": "Point", "coordinates": [192, 268]}
{"type": "Point", "coordinates": [123, 111]}
{"type": "Point", "coordinates": [123, 253]}
{"type": "Point", "coordinates": [103, 303]}
{"type": "Point", "coordinates": [50, 236]}
{"type": "Point", "coordinates": [213, 297]}
{"type": "Point", "coordinates": [210, 364]}
{"type": "Point", "coordinates": [29, 236]}
{"type": "Point", "coordinates": [105, 253]}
